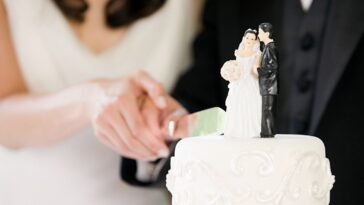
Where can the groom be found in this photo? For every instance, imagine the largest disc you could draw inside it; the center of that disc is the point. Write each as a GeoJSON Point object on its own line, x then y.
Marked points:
{"type": "Point", "coordinates": [268, 80]}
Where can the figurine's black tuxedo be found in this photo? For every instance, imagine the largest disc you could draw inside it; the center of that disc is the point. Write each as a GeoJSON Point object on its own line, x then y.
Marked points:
{"type": "Point", "coordinates": [337, 111]}
{"type": "Point", "coordinates": [268, 86]}
{"type": "Point", "coordinates": [268, 70]}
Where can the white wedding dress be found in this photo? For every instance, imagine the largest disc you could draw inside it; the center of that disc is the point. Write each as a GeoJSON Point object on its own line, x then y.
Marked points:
{"type": "Point", "coordinates": [244, 98]}
{"type": "Point", "coordinates": [81, 170]}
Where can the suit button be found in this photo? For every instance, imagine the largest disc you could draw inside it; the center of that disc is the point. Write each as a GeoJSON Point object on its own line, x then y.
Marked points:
{"type": "Point", "coordinates": [304, 82]}
{"type": "Point", "coordinates": [307, 42]}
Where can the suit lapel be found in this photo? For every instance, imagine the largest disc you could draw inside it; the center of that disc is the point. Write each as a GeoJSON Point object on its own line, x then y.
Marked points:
{"type": "Point", "coordinates": [343, 31]}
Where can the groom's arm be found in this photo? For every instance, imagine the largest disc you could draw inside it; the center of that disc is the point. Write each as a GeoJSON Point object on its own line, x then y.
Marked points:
{"type": "Point", "coordinates": [271, 64]}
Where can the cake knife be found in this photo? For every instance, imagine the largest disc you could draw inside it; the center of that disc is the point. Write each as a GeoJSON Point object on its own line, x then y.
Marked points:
{"type": "Point", "coordinates": [206, 122]}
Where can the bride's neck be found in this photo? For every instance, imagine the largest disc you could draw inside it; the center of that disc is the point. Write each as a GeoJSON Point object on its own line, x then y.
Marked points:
{"type": "Point", "coordinates": [94, 32]}
{"type": "Point", "coordinates": [95, 14]}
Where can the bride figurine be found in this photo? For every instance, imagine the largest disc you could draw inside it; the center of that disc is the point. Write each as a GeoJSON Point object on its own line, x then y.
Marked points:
{"type": "Point", "coordinates": [243, 103]}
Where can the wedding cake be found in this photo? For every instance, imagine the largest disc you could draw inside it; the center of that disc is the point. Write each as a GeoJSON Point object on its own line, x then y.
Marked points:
{"type": "Point", "coordinates": [285, 170]}
{"type": "Point", "coordinates": [242, 168]}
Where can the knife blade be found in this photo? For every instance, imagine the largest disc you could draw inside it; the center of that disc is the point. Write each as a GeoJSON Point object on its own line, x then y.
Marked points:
{"type": "Point", "coordinates": [206, 122]}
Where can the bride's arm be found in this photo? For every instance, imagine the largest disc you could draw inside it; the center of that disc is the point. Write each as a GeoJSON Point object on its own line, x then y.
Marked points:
{"type": "Point", "coordinates": [28, 120]}
{"type": "Point", "coordinates": [10, 77]}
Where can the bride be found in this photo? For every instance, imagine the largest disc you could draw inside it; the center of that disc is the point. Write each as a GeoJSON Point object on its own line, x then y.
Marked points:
{"type": "Point", "coordinates": [69, 99]}
{"type": "Point", "coordinates": [243, 103]}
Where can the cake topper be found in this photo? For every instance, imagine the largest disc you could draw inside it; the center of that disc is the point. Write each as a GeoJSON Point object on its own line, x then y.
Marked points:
{"type": "Point", "coordinates": [249, 114]}
{"type": "Point", "coordinates": [268, 80]}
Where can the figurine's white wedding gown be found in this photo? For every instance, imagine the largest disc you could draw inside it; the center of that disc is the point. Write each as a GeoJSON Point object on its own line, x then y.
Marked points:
{"type": "Point", "coordinates": [81, 170]}
{"type": "Point", "coordinates": [243, 103]}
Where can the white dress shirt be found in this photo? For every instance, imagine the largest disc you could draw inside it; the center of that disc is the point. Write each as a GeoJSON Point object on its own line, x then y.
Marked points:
{"type": "Point", "coordinates": [306, 4]}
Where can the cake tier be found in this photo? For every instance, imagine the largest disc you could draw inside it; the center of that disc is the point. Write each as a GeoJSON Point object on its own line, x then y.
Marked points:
{"type": "Point", "coordinates": [285, 170]}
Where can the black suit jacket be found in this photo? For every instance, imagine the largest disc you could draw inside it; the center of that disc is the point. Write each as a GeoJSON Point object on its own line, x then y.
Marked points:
{"type": "Point", "coordinates": [268, 70]}
{"type": "Point", "coordinates": [337, 109]}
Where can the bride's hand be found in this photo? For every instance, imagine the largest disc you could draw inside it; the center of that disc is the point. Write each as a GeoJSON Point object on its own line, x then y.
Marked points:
{"type": "Point", "coordinates": [118, 121]}
{"type": "Point", "coordinates": [160, 117]}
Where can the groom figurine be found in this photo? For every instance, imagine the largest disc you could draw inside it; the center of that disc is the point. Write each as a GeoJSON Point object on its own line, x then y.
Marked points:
{"type": "Point", "coordinates": [268, 80]}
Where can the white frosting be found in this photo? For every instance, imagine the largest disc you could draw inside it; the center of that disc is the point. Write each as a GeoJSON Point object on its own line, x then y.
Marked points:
{"type": "Point", "coordinates": [285, 170]}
